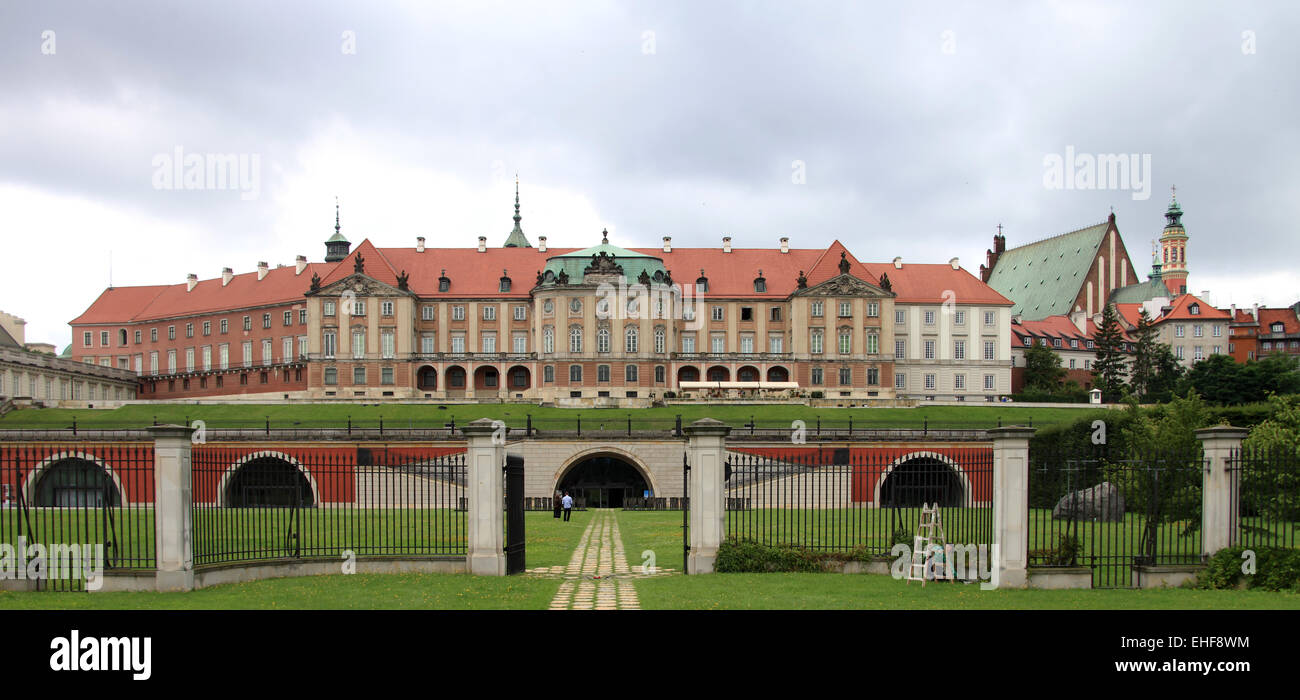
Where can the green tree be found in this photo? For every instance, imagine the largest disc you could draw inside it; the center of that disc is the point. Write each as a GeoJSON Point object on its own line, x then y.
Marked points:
{"type": "Point", "coordinates": [1167, 371]}
{"type": "Point", "coordinates": [1270, 473]}
{"type": "Point", "coordinates": [1043, 369]}
{"type": "Point", "coordinates": [1144, 350]}
{"type": "Point", "coordinates": [1109, 369]}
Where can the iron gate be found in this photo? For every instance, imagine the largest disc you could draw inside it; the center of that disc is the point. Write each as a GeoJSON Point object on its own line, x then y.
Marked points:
{"type": "Point", "coordinates": [686, 513]}
{"type": "Point", "coordinates": [515, 545]}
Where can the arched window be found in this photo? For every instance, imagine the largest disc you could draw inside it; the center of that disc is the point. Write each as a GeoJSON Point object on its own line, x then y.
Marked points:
{"type": "Point", "coordinates": [548, 339]}
{"type": "Point", "coordinates": [121, 338]}
{"type": "Point", "coordinates": [630, 337]}
{"type": "Point", "coordinates": [631, 374]}
{"type": "Point", "coordinates": [602, 340]}
{"type": "Point", "coordinates": [548, 374]}
{"type": "Point", "coordinates": [661, 342]}
{"type": "Point", "coordinates": [575, 373]}
{"type": "Point", "coordinates": [659, 374]}
{"type": "Point", "coordinates": [575, 339]}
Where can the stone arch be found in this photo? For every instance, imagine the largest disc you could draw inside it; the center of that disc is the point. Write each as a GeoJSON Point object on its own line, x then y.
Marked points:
{"type": "Point", "coordinates": [748, 373]}
{"type": "Point", "coordinates": [32, 482]}
{"type": "Point", "coordinates": [427, 378]}
{"type": "Point", "coordinates": [778, 374]}
{"type": "Point", "coordinates": [604, 451]}
{"type": "Point", "coordinates": [953, 466]}
{"type": "Point", "coordinates": [688, 373]}
{"type": "Point", "coordinates": [223, 499]}
{"type": "Point", "coordinates": [718, 373]}
{"type": "Point", "coordinates": [514, 373]}
{"type": "Point", "coordinates": [456, 378]}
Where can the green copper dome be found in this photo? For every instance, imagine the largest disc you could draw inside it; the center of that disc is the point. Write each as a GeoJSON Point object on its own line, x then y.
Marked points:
{"type": "Point", "coordinates": [603, 259]}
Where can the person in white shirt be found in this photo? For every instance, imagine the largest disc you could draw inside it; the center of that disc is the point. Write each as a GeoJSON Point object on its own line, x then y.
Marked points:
{"type": "Point", "coordinates": [567, 502]}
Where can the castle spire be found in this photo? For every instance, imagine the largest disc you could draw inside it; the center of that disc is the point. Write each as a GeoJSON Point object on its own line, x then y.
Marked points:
{"type": "Point", "coordinates": [337, 246]}
{"type": "Point", "coordinates": [517, 239]}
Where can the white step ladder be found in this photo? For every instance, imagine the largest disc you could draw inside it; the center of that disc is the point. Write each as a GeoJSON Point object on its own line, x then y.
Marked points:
{"type": "Point", "coordinates": [928, 534]}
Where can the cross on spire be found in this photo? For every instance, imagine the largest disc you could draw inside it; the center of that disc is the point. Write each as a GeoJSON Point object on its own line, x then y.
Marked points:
{"type": "Point", "coordinates": [336, 213]}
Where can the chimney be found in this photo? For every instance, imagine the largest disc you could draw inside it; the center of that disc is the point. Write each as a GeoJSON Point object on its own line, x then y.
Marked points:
{"type": "Point", "coordinates": [668, 244]}
{"type": "Point", "coordinates": [1255, 312]}
{"type": "Point", "coordinates": [262, 267]}
{"type": "Point", "coordinates": [300, 264]}
{"type": "Point", "coordinates": [482, 244]}
{"type": "Point", "coordinates": [191, 281]}
{"type": "Point", "coordinates": [541, 244]}
{"type": "Point", "coordinates": [1205, 296]}
{"type": "Point", "coordinates": [785, 244]}
{"type": "Point", "coordinates": [898, 263]}
{"type": "Point", "coordinates": [726, 244]}
{"type": "Point", "coordinates": [226, 275]}
{"type": "Point", "coordinates": [1080, 320]}
{"type": "Point", "coordinates": [955, 264]}
{"type": "Point", "coordinates": [419, 244]}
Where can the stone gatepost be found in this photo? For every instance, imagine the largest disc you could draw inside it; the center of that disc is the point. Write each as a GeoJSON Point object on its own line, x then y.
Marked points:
{"type": "Point", "coordinates": [172, 500]}
{"type": "Point", "coordinates": [1218, 512]}
{"type": "Point", "coordinates": [706, 453]}
{"type": "Point", "coordinates": [484, 461]}
{"type": "Point", "coordinates": [1011, 505]}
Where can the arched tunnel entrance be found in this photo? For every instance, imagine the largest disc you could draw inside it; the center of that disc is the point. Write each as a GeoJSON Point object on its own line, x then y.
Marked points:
{"type": "Point", "coordinates": [268, 482]}
{"type": "Point", "coordinates": [921, 480]}
{"type": "Point", "coordinates": [605, 481]}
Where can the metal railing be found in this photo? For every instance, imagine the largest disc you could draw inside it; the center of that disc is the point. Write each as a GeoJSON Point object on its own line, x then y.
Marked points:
{"type": "Point", "coordinates": [88, 505]}
{"type": "Point", "coordinates": [852, 500]}
{"type": "Point", "coordinates": [252, 504]}
{"type": "Point", "coordinates": [1113, 511]}
{"type": "Point", "coordinates": [1265, 488]}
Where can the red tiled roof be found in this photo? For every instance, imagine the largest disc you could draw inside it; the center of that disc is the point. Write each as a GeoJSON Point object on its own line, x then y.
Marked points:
{"type": "Point", "coordinates": [477, 274]}
{"type": "Point", "coordinates": [1287, 317]}
{"type": "Point", "coordinates": [928, 283]}
{"type": "Point", "coordinates": [1180, 310]}
{"type": "Point", "coordinates": [122, 304]}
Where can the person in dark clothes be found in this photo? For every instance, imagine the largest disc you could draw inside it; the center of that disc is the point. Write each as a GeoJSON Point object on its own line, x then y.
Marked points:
{"type": "Point", "coordinates": [567, 501]}
{"type": "Point", "coordinates": [555, 501]}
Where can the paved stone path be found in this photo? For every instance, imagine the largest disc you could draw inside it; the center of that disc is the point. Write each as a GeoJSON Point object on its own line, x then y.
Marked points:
{"type": "Point", "coordinates": [598, 576]}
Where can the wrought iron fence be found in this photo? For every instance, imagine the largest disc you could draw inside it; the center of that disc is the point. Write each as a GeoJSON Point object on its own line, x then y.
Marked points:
{"type": "Point", "coordinates": [855, 500]}
{"type": "Point", "coordinates": [1265, 487]}
{"type": "Point", "coordinates": [254, 504]}
{"type": "Point", "coordinates": [71, 510]}
{"type": "Point", "coordinates": [1113, 511]}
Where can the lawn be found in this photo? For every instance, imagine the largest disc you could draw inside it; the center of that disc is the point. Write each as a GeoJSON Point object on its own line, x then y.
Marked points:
{"type": "Point", "coordinates": [551, 542]}
{"type": "Point", "coordinates": [430, 415]}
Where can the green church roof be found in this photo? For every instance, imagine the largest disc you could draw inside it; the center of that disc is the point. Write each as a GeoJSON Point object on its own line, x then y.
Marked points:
{"type": "Point", "coordinates": [1140, 292]}
{"type": "Point", "coordinates": [574, 264]}
{"type": "Point", "coordinates": [1044, 278]}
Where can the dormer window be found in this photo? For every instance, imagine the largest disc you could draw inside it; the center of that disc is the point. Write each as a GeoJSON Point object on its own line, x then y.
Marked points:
{"type": "Point", "coordinates": [1276, 328]}
{"type": "Point", "coordinates": [1194, 309]}
{"type": "Point", "coordinates": [505, 282]}
{"type": "Point", "coordinates": [444, 283]}
{"type": "Point", "coordinates": [760, 283]}
{"type": "Point", "coordinates": [702, 284]}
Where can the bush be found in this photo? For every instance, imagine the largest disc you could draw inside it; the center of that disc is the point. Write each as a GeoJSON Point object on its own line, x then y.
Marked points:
{"type": "Point", "coordinates": [670, 394]}
{"type": "Point", "coordinates": [739, 556]}
{"type": "Point", "coordinates": [1276, 569]}
{"type": "Point", "coordinates": [818, 394]}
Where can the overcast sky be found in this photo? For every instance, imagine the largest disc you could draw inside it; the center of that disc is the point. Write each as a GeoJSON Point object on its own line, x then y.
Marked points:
{"type": "Point", "coordinates": [903, 129]}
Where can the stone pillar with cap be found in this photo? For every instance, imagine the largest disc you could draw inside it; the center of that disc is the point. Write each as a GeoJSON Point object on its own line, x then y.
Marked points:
{"type": "Point", "coordinates": [706, 453]}
{"type": "Point", "coordinates": [1011, 505]}
{"type": "Point", "coordinates": [1222, 447]}
{"type": "Point", "coordinates": [172, 501]}
{"type": "Point", "coordinates": [485, 461]}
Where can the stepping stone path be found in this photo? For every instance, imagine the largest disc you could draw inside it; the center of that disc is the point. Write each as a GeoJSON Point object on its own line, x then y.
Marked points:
{"type": "Point", "coordinates": [598, 576]}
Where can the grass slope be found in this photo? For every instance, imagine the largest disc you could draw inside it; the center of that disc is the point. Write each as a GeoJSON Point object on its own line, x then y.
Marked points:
{"type": "Point", "coordinates": [516, 415]}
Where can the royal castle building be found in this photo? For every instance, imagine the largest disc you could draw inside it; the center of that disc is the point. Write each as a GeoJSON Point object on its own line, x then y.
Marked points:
{"type": "Point", "coordinates": [603, 324]}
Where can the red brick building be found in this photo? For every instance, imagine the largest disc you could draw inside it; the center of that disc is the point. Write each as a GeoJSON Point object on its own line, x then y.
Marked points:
{"type": "Point", "coordinates": [560, 324]}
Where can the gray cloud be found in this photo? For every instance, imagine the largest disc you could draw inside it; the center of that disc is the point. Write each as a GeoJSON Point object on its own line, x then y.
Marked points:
{"type": "Point", "coordinates": [909, 150]}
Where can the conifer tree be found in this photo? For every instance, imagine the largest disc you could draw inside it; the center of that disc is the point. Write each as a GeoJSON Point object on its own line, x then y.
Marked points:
{"type": "Point", "coordinates": [1109, 369]}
